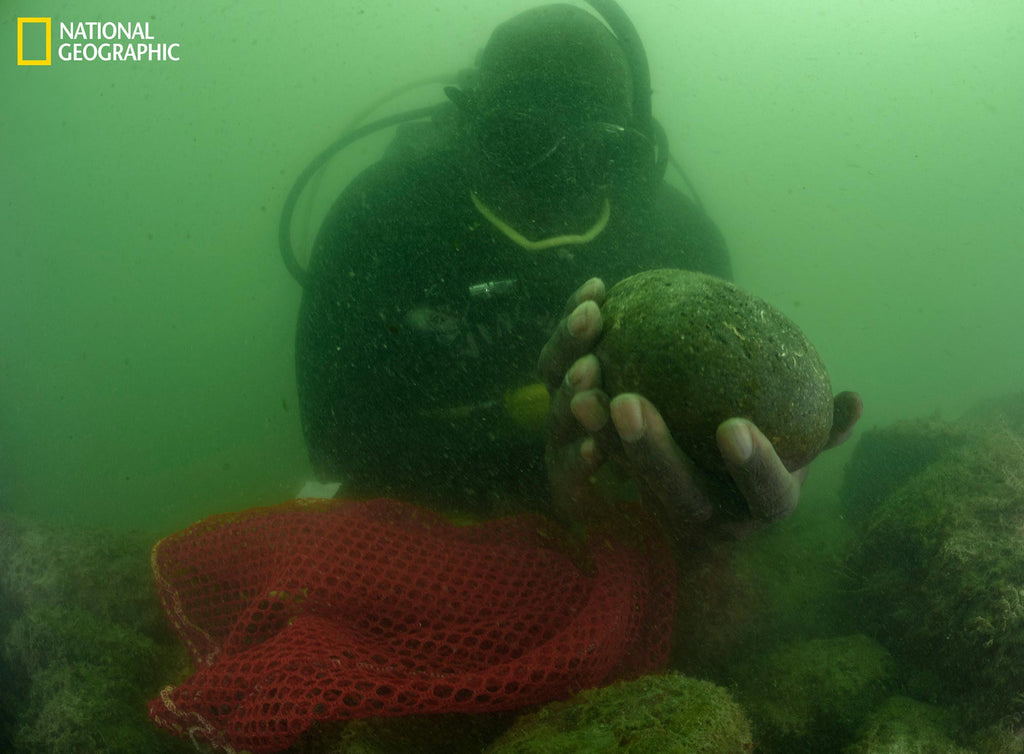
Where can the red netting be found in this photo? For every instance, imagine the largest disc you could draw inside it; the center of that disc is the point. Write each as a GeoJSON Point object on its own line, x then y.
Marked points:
{"type": "Point", "coordinates": [321, 610]}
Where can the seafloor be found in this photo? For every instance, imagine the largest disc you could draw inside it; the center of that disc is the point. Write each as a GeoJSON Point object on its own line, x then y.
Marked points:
{"type": "Point", "coordinates": [887, 618]}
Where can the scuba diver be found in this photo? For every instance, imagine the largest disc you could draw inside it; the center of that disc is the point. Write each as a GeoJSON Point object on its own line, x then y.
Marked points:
{"type": "Point", "coordinates": [442, 271]}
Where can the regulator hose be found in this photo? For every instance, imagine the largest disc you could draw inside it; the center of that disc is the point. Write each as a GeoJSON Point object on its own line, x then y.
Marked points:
{"type": "Point", "coordinates": [284, 231]}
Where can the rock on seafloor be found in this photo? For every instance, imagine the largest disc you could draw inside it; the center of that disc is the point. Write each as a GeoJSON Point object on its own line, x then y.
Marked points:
{"type": "Point", "coordinates": [663, 714]}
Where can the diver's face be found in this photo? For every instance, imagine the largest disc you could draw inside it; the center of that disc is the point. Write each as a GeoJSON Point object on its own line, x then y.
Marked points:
{"type": "Point", "coordinates": [551, 166]}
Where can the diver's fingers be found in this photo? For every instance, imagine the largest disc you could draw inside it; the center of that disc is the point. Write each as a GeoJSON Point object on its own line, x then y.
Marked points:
{"type": "Point", "coordinates": [582, 376]}
{"type": "Point", "coordinates": [592, 290]}
{"type": "Point", "coordinates": [570, 468]}
{"type": "Point", "coordinates": [847, 408]}
{"type": "Point", "coordinates": [770, 490]}
{"type": "Point", "coordinates": [590, 409]}
{"type": "Point", "coordinates": [571, 454]}
{"type": "Point", "coordinates": [665, 475]}
{"type": "Point", "coordinates": [575, 334]}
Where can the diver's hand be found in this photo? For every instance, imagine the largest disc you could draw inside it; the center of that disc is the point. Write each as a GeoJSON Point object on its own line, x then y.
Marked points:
{"type": "Point", "coordinates": [577, 333]}
{"type": "Point", "coordinates": [771, 492]}
{"type": "Point", "coordinates": [570, 453]}
{"type": "Point", "coordinates": [586, 427]}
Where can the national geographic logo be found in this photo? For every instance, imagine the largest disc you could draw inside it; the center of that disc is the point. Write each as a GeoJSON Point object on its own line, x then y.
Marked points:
{"type": "Point", "coordinates": [92, 41]}
{"type": "Point", "coordinates": [34, 24]}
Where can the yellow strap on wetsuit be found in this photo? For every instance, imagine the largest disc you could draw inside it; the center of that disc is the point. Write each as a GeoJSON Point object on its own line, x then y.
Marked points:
{"type": "Point", "coordinates": [545, 243]}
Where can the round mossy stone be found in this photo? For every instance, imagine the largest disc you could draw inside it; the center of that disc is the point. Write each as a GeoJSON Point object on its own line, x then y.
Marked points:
{"type": "Point", "coordinates": [702, 351]}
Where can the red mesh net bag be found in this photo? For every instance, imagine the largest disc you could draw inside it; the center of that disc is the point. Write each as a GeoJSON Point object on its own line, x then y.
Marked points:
{"type": "Point", "coordinates": [319, 610]}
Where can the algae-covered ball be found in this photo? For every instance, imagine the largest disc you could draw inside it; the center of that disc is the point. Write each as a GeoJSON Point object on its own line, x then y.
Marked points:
{"type": "Point", "coordinates": [702, 351]}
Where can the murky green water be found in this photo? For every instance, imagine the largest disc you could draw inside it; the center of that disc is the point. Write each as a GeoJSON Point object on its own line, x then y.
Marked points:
{"type": "Point", "coordinates": [864, 161]}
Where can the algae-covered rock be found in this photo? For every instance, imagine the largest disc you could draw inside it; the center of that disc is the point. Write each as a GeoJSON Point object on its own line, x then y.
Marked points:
{"type": "Point", "coordinates": [411, 734]}
{"type": "Point", "coordinates": [906, 726]}
{"type": "Point", "coordinates": [702, 350]}
{"type": "Point", "coordinates": [811, 696]}
{"type": "Point", "coordinates": [939, 571]}
{"type": "Point", "coordinates": [83, 641]}
{"type": "Point", "coordinates": [886, 457]}
{"type": "Point", "coordinates": [657, 714]}
{"type": "Point", "coordinates": [998, 739]}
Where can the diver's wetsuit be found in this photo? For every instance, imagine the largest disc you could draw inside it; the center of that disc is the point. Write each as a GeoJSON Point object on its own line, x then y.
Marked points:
{"type": "Point", "coordinates": [394, 350]}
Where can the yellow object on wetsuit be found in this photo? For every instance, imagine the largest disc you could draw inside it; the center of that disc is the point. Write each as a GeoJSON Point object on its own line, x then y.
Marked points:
{"type": "Point", "coordinates": [527, 406]}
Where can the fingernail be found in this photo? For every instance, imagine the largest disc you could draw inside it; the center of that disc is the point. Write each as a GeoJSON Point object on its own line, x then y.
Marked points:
{"type": "Point", "coordinates": [735, 441]}
{"type": "Point", "coordinates": [574, 375]}
{"type": "Point", "coordinates": [581, 374]}
{"type": "Point", "coordinates": [589, 413]}
{"type": "Point", "coordinates": [591, 288]}
{"type": "Point", "coordinates": [578, 320]}
{"type": "Point", "coordinates": [588, 450]}
{"type": "Point", "coordinates": [629, 419]}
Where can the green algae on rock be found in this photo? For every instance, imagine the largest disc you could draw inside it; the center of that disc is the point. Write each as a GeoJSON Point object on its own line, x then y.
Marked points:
{"type": "Point", "coordinates": [83, 641]}
{"type": "Point", "coordinates": [703, 351]}
{"type": "Point", "coordinates": [811, 696]}
{"type": "Point", "coordinates": [906, 726]}
{"type": "Point", "coordinates": [938, 565]}
{"type": "Point", "coordinates": [655, 714]}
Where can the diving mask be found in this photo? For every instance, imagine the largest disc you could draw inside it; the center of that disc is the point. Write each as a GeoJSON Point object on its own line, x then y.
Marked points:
{"type": "Point", "coordinates": [519, 143]}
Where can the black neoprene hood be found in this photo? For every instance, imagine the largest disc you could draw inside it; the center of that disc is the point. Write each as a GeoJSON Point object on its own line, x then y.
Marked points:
{"type": "Point", "coordinates": [558, 59]}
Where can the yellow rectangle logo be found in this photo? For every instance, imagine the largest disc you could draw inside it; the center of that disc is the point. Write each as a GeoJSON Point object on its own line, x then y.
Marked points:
{"type": "Point", "coordinates": [21, 43]}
